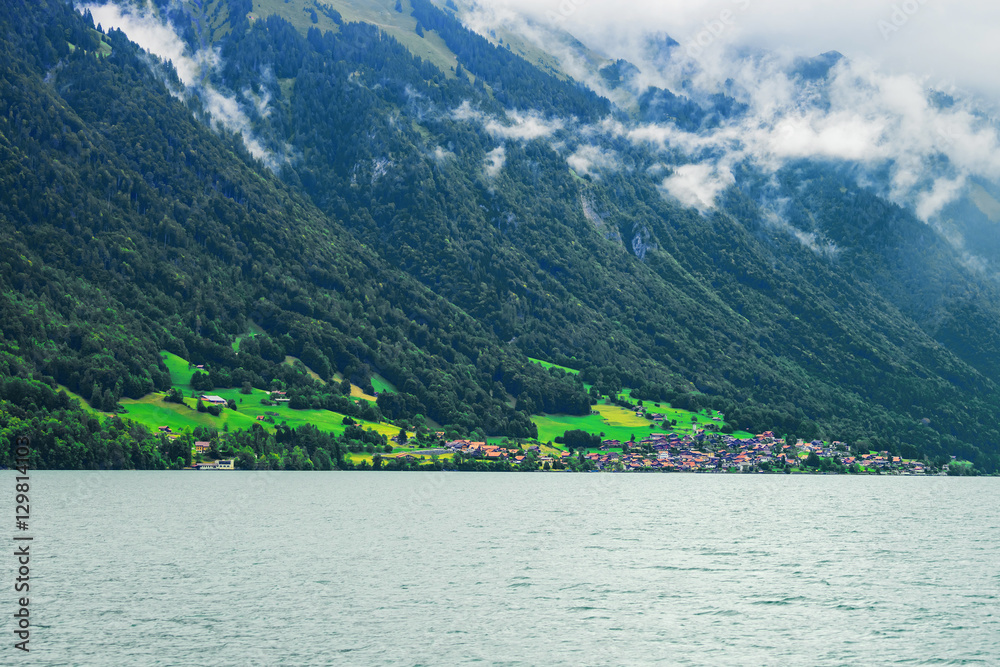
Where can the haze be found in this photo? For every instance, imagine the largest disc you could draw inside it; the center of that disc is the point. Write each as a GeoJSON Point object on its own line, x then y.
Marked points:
{"type": "Point", "coordinates": [948, 43]}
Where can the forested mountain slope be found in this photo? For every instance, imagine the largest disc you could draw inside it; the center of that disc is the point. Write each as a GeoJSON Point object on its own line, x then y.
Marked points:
{"type": "Point", "coordinates": [437, 226]}
{"type": "Point", "coordinates": [500, 203]}
{"type": "Point", "coordinates": [129, 227]}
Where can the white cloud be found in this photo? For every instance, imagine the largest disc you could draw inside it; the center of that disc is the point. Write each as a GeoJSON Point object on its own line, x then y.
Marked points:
{"type": "Point", "coordinates": [524, 127]}
{"type": "Point", "coordinates": [494, 162]}
{"type": "Point", "coordinates": [697, 185]}
{"type": "Point", "coordinates": [150, 31]}
{"type": "Point", "coordinates": [516, 125]}
{"type": "Point", "coordinates": [944, 191]}
{"type": "Point", "coordinates": [589, 159]}
{"type": "Point", "coordinates": [936, 39]}
{"type": "Point", "coordinates": [860, 116]}
{"type": "Point", "coordinates": [875, 111]}
{"type": "Point", "coordinates": [441, 155]}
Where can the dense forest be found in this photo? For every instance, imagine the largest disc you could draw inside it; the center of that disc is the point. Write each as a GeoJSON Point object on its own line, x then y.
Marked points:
{"type": "Point", "coordinates": [384, 245]}
{"type": "Point", "coordinates": [129, 227]}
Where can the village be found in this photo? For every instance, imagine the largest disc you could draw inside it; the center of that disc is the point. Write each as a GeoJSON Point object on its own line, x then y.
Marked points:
{"type": "Point", "coordinates": [702, 450]}
{"type": "Point", "coordinates": [672, 453]}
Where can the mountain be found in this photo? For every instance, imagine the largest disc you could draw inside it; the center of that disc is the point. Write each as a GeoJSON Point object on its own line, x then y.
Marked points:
{"type": "Point", "coordinates": [374, 208]}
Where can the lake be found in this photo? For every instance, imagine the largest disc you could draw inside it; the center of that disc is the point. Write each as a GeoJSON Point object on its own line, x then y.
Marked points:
{"type": "Point", "coordinates": [229, 568]}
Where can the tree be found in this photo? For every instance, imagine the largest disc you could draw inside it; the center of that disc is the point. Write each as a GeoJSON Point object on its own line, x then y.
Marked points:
{"type": "Point", "coordinates": [108, 402]}
{"type": "Point", "coordinates": [246, 459]}
{"type": "Point", "coordinates": [323, 460]}
{"type": "Point", "coordinates": [201, 381]}
{"type": "Point", "coordinates": [247, 388]}
{"type": "Point", "coordinates": [402, 437]}
{"type": "Point", "coordinates": [174, 396]}
{"type": "Point", "coordinates": [201, 406]}
{"type": "Point", "coordinates": [96, 397]}
{"type": "Point", "coordinates": [813, 460]}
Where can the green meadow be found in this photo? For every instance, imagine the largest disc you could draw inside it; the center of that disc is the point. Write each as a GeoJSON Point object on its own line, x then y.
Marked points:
{"type": "Point", "coordinates": [547, 365]}
{"type": "Point", "coordinates": [400, 25]}
{"type": "Point", "coordinates": [153, 412]}
{"type": "Point", "coordinates": [618, 423]}
{"type": "Point", "coordinates": [180, 371]}
{"type": "Point", "coordinates": [611, 421]}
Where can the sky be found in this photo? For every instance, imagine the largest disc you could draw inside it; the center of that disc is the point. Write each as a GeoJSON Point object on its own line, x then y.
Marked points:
{"type": "Point", "coordinates": [953, 42]}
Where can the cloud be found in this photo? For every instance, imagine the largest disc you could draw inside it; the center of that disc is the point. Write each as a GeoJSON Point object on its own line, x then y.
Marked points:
{"type": "Point", "coordinates": [441, 155]}
{"type": "Point", "coordinates": [494, 162]}
{"type": "Point", "coordinates": [876, 110]}
{"type": "Point", "coordinates": [858, 115]}
{"type": "Point", "coordinates": [150, 31]}
{"type": "Point", "coordinates": [588, 159]}
{"type": "Point", "coordinates": [516, 125]}
{"type": "Point", "coordinates": [932, 39]}
{"type": "Point", "coordinates": [810, 240]}
{"type": "Point", "coordinates": [698, 185]}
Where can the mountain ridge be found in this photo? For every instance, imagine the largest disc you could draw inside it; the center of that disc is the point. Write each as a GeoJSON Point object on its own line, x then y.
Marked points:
{"type": "Point", "coordinates": [458, 209]}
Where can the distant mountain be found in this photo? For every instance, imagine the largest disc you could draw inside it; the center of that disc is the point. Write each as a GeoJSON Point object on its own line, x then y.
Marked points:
{"type": "Point", "coordinates": [386, 210]}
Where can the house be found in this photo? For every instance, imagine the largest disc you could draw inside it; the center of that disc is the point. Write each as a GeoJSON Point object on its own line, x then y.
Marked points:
{"type": "Point", "coordinates": [206, 466]}
{"type": "Point", "coordinates": [201, 446]}
{"type": "Point", "coordinates": [214, 400]}
{"type": "Point", "coordinates": [224, 464]}
{"type": "Point", "coordinates": [164, 429]}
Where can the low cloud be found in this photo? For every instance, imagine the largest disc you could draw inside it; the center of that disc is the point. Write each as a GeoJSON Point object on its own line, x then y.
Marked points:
{"type": "Point", "coordinates": [516, 125]}
{"type": "Point", "coordinates": [889, 123]}
{"type": "Point", "coordinates": [697, 185]}
{"type": "Point", "coordinates": [494, 162]}
{"type": "Point", "coordinates": [589, 160]}
{"type": "Point", "coordinates": [441, 155]}
{"type": "Point", "coordinates": [810, 240]}
{"type": "Point", "coordinates": [880, 107]}
{"type": "Point", "coordinates": [151, 31]}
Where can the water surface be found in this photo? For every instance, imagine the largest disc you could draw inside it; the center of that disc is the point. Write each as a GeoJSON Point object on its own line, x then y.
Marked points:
{"type": "Point", "coordinates": [218, 568]}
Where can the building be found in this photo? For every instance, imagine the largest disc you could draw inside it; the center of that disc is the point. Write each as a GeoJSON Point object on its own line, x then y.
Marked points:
{"type": "Point", "coordinates": [214, 400]}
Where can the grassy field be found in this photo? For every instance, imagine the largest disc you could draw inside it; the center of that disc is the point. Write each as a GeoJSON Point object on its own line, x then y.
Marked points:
{"type": "Point", "coordinates": [546, 365]}
{"type": "Point", "coordinates": [614, 422]}
{"type": "Point", "coordinates": [83, 403]}
{"type": "Point", "coordinates": [152, 411]}
{"type": "Point", "coordinates": [382, 385]}
{"type": "Point", "coordinates": [180, 372]}
{"type": "Point", "coordinates": [381, 13]}
{"type": "Point", "coordinates": [617, 423]}
{"type": "Point", "coordinates": [290, 361]}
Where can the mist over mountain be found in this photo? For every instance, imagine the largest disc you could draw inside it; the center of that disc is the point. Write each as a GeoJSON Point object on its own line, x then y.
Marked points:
{"type": "Point", "coordinates": [436, 192]}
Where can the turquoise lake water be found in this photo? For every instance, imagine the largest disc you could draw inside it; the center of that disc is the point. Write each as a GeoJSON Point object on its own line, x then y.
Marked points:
{"type": "Point", "coordinates": [218, 568]}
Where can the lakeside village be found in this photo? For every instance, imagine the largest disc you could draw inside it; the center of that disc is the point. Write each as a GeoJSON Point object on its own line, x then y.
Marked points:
{"type": "Point", "coordinates": [699, 452]}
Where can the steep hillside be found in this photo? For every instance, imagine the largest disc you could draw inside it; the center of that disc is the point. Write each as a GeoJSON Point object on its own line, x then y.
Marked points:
{"type": "Point", "coordinates": [436, 225]}
{"type": "Point", "coordinates": [130, 227]}
{"type": "Point", "coordinates": [503, 205]}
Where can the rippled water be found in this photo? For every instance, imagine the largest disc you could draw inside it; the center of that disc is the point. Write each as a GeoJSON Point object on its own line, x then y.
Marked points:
{"type": "Point", "coordinates": [196, 568]}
